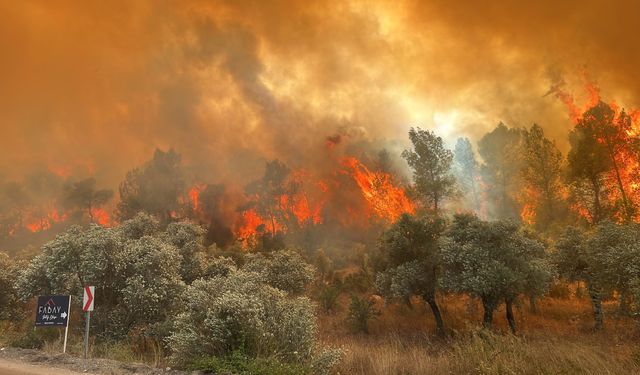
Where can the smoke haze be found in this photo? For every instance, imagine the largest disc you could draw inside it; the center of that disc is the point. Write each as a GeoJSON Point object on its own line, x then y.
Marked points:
{"type": "Point", "coordinates": [92, 88]}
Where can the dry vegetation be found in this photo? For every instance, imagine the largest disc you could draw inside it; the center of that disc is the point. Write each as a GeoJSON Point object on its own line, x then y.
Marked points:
{"type": "Point", "coordinates": [558, 339]}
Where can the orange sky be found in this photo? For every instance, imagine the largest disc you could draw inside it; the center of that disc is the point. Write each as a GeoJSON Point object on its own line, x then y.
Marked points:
{"type": "Point", "coordinates": [94, 87]}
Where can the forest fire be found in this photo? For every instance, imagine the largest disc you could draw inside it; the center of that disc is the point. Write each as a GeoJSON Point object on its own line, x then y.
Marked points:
{"type": "Point", "coordinates": [38, 224]}
{"type": "Point", "coordinates": [615, 132]}
{"type": "Point", "coordinates": [303, 205]}
{"type": "Point", "coordinates": [385, 199]}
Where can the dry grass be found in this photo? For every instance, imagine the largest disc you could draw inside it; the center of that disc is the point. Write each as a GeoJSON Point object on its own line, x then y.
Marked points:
{"type": "Point", "coordinates": [557, 340]}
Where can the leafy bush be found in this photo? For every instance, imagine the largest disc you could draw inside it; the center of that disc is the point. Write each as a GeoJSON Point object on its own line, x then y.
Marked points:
{"type": "Point", "coordinates": [239, 364]}
{"type": "Point", "coordinates": [285, 270]}
{"type": "Point", "coordinates": [241, 312]}
{"type": "Point", "coordinates": [361, 311]}
{"type": "Point", "coordinates": [328, 297]}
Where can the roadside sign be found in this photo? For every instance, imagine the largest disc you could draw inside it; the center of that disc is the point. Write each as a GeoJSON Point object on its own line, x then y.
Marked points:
{"type": "Point", "coordinates": [52, 311]}
{"type": "Point", "coordinates": [87, 306]}
{"type": "Point", "coordinates": [87, 301]}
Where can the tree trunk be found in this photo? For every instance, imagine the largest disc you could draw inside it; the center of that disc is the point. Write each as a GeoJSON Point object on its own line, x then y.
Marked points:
{"type": "Point", "coordinates": [625, 200]}
{"type": "Point", "coordinates": [436, 315]}
{"type": "Point", "coordinates": [532, 304]}
{"type": "Point", "coordinates": [489, 307]}
{"type": "Point", "coordinates": [596, 302]}
{"type": "Point", "coordinates": [623, 303]}
{"type": "Point", "coordinates": [596, 201]}
{"type": "Point", "coordinates": [510, 317]}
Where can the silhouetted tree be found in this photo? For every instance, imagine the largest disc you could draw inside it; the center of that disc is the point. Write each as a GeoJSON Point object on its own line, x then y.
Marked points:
{"type": "Point", "coordinates": [153, 188]}
{"type": "Point", "coordinates": [541, 170]}
{"type": "Point", "coordinates": [268, 192]}
{"type": "Point", "coordinates": [431, 163]}
{"type": "Point", "coordinates": [501, 151]}
{"type": "Point", "coordinates": [466, 170]}
{"type": "Point", "coordinates": [84, 197]}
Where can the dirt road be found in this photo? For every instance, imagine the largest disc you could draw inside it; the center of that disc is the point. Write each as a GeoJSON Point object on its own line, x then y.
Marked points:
{"type": "Point", "coordinates": [9, 367]}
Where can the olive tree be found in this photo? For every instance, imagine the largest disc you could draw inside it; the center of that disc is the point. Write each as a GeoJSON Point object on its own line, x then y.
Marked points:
{"type": "Point", "coordinates": [604, 259]}
{"type": "Point", "coordinates": [494, 261]}
{"type": "Point", "coordinates": [254, 309]}
{"type": "Point", "coordinates": [136, 271]}
{"type": "Point", "coordinates": [8, 296]}
{"type": "Point", "coordinates": [408, 261]}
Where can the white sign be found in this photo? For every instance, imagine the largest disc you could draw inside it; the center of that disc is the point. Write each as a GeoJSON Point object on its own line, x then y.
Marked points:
{"type": "Point", "coordinates": [87, 301]}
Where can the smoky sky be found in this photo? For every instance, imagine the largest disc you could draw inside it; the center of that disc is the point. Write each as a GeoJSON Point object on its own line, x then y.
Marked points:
{"type": "Point", "coordinates": [94, 87]}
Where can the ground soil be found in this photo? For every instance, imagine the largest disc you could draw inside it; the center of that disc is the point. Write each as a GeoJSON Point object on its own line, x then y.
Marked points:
{"type": "Point", "coordinates": [35, 362]}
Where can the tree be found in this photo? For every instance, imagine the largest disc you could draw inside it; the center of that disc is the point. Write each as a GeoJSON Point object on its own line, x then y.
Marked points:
{"type": "Point", "coordinates": [361, 311]}
{"type": "Point", "coordinates": [431, 163]}
{"type": "Point", "coordinates": [466, 170]}
{"type": "Point", "coordinates": [239, 312]}
{"type": "Point", "coordinates": [285, 270]}
{"type": "Point", "coordinates": [135, 270]}
{"type": "Point", "coordinates": [541, 170]}
{"type": "Point", "coordinates": [188, 239]}
{"type": "Point", "coordinates": [85, 198]}
{"type": "Point", "coordinates": [501, 150]}
{"type": "Point", "coordinates": [213, 209]}
{"type": "Point", "coordinates": [494, 261]}
{"type": "Point", "coordinates": [408, 261]}
{"type": "Point", "coordinates": [154, 188]}
{"type": "Point", "coordinates": [600, 259]}
{"type": "Point", "coordinates": [8, 295]}
{"type": "Point", "coordinates": [267, 194]}
{"type": "Point", "coordinates": [601, 147]}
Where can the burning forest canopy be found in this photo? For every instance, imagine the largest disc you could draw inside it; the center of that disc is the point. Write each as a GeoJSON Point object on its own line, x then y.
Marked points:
{"type": "Point", "coordinates": [288, 121]}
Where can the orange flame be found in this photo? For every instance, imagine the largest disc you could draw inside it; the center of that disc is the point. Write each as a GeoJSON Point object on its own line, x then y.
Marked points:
{"type": "Point", "coordinates": [387, 200]}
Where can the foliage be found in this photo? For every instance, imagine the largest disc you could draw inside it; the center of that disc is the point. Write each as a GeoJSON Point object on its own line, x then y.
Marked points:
{"type": "Point", "coordinates": [8, 296]}
{"type": "Point", "coordinates": [188, 239]}
{"type": "Point", "coordinates": [328, 297]}
{"type": "Point", "coordinates": [409, 261]}
{"type": "Point", "coordinates": [285, 270]}
{"type": "Point", "coordinates": [431, 163]}
{"type": "Point", "coordinates": [136, 270]}
{"type": "Point", "coordinates": [240, 364]}
{"type": "Point", "coordinates": [361, 311]}
{"type": "Point", "coordinates": [494, 261]}
{"type": "Point", "coordinates": [606, 260]}
{"type": "Point", "coordinates": [240, 312]}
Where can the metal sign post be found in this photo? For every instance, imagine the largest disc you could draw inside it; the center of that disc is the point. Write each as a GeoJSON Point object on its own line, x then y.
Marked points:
{"type": "Point", "coordinates": [87, 306]}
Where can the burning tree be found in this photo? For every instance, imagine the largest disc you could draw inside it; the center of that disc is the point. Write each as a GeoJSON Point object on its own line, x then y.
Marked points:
{"type": "Point", "coordinates": [83, 197]}
{"type": "Point", "coordinates": [542, 172]}
{"type": "Point", "coordinates": [154, 188]}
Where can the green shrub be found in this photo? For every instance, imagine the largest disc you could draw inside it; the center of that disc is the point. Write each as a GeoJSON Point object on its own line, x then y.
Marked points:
{"type": "Point", "coordinates": [361, 311]}
{"type": "Point", "coordinates": [34, 339]}
{"type": "Point", "coordinates": [328, 297]}
{"type": "Point", "coordinates": [241, 312]}
{"type": "Point", "coordinates": [240, 364]}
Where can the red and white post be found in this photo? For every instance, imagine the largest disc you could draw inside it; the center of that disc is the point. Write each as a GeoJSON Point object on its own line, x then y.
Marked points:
{"type": "Point", "coordinates": [87, 307]}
